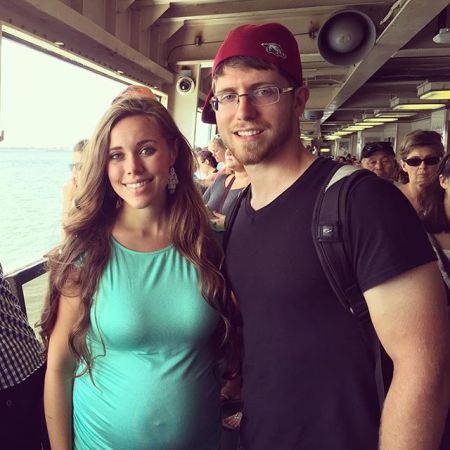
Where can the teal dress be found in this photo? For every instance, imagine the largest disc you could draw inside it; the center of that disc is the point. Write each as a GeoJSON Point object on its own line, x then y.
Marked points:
{"type": "Point", "coordinates": [153, 385]}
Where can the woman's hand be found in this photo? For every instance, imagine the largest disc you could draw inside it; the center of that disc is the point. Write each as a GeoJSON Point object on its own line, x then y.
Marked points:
{"type": "Point", "coordinates": [217, 221]}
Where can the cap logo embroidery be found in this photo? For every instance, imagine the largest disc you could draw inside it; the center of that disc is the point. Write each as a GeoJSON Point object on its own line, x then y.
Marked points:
{"type": "Point", "coordinates": [275, 49]}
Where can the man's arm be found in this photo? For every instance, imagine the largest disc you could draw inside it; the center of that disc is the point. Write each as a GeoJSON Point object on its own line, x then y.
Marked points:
{"type": "Point", "coordinates": [410, 317]}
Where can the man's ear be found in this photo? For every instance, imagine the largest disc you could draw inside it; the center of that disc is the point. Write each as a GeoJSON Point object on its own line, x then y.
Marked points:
{"type": "Point", "coordinates": [301, 96]}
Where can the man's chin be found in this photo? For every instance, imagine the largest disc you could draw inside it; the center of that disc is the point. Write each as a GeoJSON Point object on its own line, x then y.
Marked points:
{"type": "Point", "coordinates": [248, 155]}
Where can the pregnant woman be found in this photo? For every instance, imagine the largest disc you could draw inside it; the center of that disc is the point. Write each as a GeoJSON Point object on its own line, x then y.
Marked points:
{"type": "Point", "coordinates": [136, 317]}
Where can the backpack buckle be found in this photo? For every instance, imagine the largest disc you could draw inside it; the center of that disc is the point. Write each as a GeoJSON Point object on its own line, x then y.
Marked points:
{"type": "Point", "coordinates": [329, 232]}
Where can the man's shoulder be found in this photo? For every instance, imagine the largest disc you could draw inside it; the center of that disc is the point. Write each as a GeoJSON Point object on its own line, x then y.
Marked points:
{"type": "Point", "coordinates": [376, 189]}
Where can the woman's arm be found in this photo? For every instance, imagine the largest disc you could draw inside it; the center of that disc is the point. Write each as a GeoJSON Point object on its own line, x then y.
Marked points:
{"type": "Point", "coordinates": [61, 365]}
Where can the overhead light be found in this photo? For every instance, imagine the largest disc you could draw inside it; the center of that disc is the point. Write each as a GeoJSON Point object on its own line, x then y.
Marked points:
{"type": "Point", "coordinates": [377, 120]}
{"type": "Point", "coordinates": [434, 90]}
{"type": "Point", "coordinates": [364, 124]}
{"type": "Point", "coordinates": [356, 128]}
{"type": "Point", "coordinates": [442, 37]}
{"type": "Point", "coordinates": [414, 104]}
{"type": "Point", "coordinates": [343, 133]}
{"type": "Point", "coordinates": [396, 114]}
{"type": "Point", "coordinates": [59, 43]}
{"type": "Point", "coordinates": [325, 150]}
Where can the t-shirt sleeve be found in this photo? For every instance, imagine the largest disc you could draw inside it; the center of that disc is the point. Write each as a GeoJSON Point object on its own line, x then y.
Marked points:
{"type": "Point", "coordinates": [386, 235]}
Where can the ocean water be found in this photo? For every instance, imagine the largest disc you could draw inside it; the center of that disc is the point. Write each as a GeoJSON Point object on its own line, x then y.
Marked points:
{"type": "Point", "coordinates": [31, 186]}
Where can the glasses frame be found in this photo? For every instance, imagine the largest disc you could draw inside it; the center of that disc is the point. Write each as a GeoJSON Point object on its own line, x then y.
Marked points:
{"type": "Point", "coordinates": [425, 160]}
{"type": "Point", "coordinates": [215, 102]}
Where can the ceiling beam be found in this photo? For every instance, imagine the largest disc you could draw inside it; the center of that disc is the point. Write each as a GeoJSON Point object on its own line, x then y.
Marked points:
{"type": "Point", "coordinates": [123, 5]}
{"type": "Point", "coordinates": [82, 31]}
{"type": "Point", "coordinates": [210, 10]}
{"type": "Point", "coordinates": [151, 14]}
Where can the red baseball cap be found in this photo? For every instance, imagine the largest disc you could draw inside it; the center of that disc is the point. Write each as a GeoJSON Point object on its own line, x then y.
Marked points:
{"type": "Point", "coordinates": [271, 42]}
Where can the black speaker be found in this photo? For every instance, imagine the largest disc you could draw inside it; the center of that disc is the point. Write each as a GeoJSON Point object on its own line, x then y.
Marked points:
{"type": "Point", "coordinates": [346, 37]}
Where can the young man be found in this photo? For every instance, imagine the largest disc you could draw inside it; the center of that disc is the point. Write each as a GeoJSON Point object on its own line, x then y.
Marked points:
{"type": "Point", "coordinates": [308, 375]}
{"type": "Point", "coordinates": [379, 158]}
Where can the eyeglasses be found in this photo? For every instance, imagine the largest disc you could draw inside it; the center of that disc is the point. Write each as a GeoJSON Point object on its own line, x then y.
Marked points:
{"type": "Point", "coordinates": [428, 161]}
{"type": "Point", "coordinates": [261, 96]}
{"type": "Point", "coordinates": [76, 166]}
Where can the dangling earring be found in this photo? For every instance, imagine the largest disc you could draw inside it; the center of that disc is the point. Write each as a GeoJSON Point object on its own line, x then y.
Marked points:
{"type": "Point", "coordinates": [172, 181]}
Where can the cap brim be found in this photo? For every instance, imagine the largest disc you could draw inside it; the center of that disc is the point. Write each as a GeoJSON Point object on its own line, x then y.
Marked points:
{"type": "Point", "coordinates": [208, 114]}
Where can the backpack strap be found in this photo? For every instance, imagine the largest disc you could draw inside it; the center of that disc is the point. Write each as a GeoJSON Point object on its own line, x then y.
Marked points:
{"type": "Point", "coordinates": [329, 228]}
{"type": "Point", "coordinates": [333, 246]}
{"type": "Point", "coordinates": [440, 252]}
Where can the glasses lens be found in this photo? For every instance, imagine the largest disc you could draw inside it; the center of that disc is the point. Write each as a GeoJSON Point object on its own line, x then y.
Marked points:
{"type": "Point", "coordinates": [266, 95]}
{"type": "Point", "coordinates": [429, 161]}
{"type": "Point", "coordinates": [214, 102]}
{"type": "Point", "coordinates": [413, 162]}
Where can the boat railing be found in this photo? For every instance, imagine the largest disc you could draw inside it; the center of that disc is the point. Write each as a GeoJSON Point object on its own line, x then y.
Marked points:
{"type": "Point", "coordinates": [22, 276]}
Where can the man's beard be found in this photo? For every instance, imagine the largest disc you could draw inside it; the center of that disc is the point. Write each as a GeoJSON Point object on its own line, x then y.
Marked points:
{"type": "Point", "coordinates": [252, 153]}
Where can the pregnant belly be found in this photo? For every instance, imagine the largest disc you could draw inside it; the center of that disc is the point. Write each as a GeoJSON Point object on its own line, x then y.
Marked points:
{"type": "Point", "coordinates": [146, 409]}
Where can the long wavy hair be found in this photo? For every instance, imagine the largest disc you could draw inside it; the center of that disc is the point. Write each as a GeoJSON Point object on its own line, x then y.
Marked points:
{"type": "Point", "coordinates": [432, 198]}
{"type": "Point", "coordinates": [76, 266]}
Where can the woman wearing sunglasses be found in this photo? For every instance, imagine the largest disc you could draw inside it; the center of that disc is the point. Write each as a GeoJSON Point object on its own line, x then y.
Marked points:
{"type": "Point", "coordinates": [420, 151]}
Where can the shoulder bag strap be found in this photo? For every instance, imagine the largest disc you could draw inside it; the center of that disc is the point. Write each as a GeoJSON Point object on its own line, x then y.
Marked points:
{"type": "Point", "coordinates": [225, 193]}
{"type": "Point", "coordinates": [441, 254]}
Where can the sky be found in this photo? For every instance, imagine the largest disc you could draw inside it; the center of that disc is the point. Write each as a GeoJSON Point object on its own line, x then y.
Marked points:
{"type": "Point", "coordinates": [46, 102]}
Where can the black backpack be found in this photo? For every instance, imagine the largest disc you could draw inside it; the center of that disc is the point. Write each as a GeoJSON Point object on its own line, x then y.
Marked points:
{"type": "Point", "coordinates": [332, 245]}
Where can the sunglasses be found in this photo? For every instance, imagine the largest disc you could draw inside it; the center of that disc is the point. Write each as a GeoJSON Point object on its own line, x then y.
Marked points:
{"type": "Point", "coordinates": [428, 161]}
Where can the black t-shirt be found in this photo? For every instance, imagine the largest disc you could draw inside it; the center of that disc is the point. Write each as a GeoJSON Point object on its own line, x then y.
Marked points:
{"type": "Point", "coordinates": [308, 376]}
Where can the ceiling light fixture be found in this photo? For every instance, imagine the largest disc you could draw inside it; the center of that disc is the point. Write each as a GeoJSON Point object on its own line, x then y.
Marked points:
{"type": "Point", "coordinates": [373, 122]}
{"type": "Point", "coordinates": [364, 124]}
{"type": "Point", "coordinates": [332, 137]}
{"type": "Point", "coordinates": [434, 90]}
{"type": "Point", "coordinates": [414, 104]}
{"type": "Point", "coordinates": [396, 114]}
{"type": "Point", "coordinates": [377, 120]}
{"type": "Point", "coordinates": [355, 128]}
